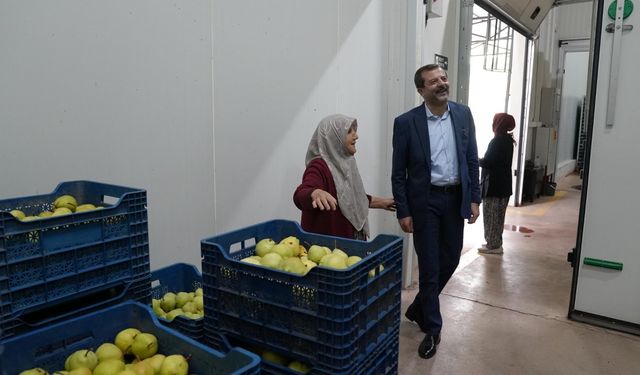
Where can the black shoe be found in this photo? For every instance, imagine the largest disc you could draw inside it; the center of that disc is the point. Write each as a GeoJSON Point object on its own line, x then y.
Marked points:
{"type": "Point", "coordinates": [427, 348]}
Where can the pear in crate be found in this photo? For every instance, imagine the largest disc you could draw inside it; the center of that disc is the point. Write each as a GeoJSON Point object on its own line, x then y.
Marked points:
{"type": "Point", "coordinates": [142, 368]}
{"type": "Point", "coordinates": [294, 265]}
{"type": "Point", "coordinates": [155, 362]}
{"type": "Point", "coordinates": [124, 339]}
{"type": "Point", "coordinates": [18, 215]}
{"type": "Point", "coordinates": [353, 260]}
{"type": "Point", "coordinates": [144, 345]}
{"type": "Point", "coordinates": [66, 201]}
{"type": "Point", "coordinates": [182, 298]}
{"type": "Point", "coordinates": [299, 367]}
{"type": "Point", "coordinates": [173, 314]}
{"type": "Point", "coordinates": [81, 358]}
{"type": "Point", "coordinates": [109, 367]}
{"type": "Point", "coordinates": [264, 246]}
{"type": "Point", "coordinates": [174, 364]}
{"type": "Point", "coordinates": [168, 302]}
{"type": "Point", "coordinates": [85, 207]}
{"type": "Point", "coordinates": [109, 351]}
{"type": "Point", "coordinates": [155, 305]}
{"type": "Point", "coordinates": [34, 371]}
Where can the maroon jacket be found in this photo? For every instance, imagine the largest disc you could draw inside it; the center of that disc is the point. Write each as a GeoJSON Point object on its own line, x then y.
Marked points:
{"type": "Point", "coordinates": [333, 223]}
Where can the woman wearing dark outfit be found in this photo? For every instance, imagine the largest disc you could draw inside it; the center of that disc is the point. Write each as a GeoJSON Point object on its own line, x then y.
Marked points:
{"type": "Point", "coordinates": [497, 165]}
{"type": "Point", "coordinates": [331, 181]}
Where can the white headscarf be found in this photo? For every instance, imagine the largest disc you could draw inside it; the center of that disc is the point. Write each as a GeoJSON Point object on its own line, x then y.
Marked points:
{"type": "Point", "coordinates": [328, 143]}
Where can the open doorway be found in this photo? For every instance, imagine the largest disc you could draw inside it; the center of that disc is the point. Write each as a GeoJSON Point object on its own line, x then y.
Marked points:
{"type": "Point", "coordinates": [497, 83]}
{"type": "Point", "coordinates": [574, 64]}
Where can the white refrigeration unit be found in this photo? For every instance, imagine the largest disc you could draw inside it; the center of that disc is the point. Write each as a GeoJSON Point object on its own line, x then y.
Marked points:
{"type": "Point", "coordinates": [606, 260]}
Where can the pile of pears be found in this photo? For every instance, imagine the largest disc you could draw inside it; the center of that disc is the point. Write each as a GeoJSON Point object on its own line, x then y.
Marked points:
{"type": "Point", "coordinates": [296, 366]}
{"type": "Point", "coordinates": [290, 256]}
{"type": "Point", "coordinates": [63, 205]}
{"type": "Point", "coordinates": [132, 353]}
{"type": "Point", "coordinates": [187, 304]}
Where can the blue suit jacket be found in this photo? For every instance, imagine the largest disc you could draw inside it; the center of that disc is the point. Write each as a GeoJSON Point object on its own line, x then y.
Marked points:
{"type": "Point", "coordinates": [411, 169]}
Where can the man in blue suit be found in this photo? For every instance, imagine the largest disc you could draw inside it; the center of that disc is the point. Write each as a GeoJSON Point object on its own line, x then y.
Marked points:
{"type": "Point", "coordinates": [435, 185]}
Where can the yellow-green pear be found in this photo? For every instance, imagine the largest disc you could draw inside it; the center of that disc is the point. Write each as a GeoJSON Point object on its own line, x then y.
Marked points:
{"type": "Point", "coordinates": [299, 367]}
{"type": "Point", "coordinates": [199, 301]}
{"type": "Point", "coordinates": [34, 371]}
{"type": "Point", "coordinates": [17, 214]}
{"type": "Point", "coordinates": [80, 371]}
{"type": "Point", "coordinates": [270, 356]}
{"type": "Point", "coordinates": [30, 218]}
{"type": "Point", "coordinates": [272, 260]}
{"type": "Point", "coordinates": [142, 368]}
{"type": "Point", "coordinates": [264, 246]}
{"type": "Point", "coordinates": [61, 211]}
{"type": "Point", "coordinates": [109, 367]}
{"type": "Point", "coordinates": [199, 292]}
{"type": "Point", "coordinates": [168, 302]}
{"type": "Point", "coordinates": [285, 250]}
{"type": "Point", "coordinates": [81, 358]}
{"type": "Point", "coordinates": [155, 362]}
{"type": "Point", "coordinates": [253, 260]}
{"type": "Point", "coordinates": [173, 314]}
{"type": "Point", "coordinates": [174, 364]}
{"type": "Point", "coordinates": [316, 253]}
{"type": "Point", "coordinates": [294, 265]}
{"type": "Point", "coordinates": [144, 345]}
{"type": "Point", "coordinates": [66, 201]}
{"type": "Point", "coordinates": [45, 214]}
{"type": "Point", "coordinates": [353, 260]}
{"type": "Point", "coordinates": [109, 351]}
{"type": "Point", "coordinates": [340, 252]}
{"type": "Point", "coordinates": [182, 298]}
{"type": "Point", "coordinates": [124, 339]}
{"type": "Point", "coordinates": [85, 207]}
{"type": "Point", "coordinates": [335, 261]}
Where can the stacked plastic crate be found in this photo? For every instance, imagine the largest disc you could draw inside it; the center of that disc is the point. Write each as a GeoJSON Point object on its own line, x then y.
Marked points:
{"type": "Point", "coordinates": [179, 277]}
{"type": "Point", "coordinates": [56, 267]}
{"type": "Point", "coordinates": [337, 321]}
{"type": "Point", "coordinates": [48, 347]}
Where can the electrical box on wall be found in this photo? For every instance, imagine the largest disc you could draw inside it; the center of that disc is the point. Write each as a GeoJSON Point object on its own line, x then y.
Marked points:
{"type": "Point", "coordinates": [433, 8]}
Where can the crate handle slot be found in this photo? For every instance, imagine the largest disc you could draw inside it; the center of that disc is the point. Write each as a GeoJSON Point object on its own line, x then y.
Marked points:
{"type": "Point", "coordinates": [50, 313]}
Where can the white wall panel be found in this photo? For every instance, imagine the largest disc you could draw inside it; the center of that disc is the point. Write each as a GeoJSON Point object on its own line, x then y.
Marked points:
{"type": "Point", "coordinates": [115, 91]}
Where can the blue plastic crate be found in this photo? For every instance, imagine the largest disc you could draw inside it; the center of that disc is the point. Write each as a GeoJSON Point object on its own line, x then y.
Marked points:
{"type": "Point", "coordinates": [380, 358]}
{"type": "Point", "coordinates": [60, 266]}
{"type": "Point", "coordinates": [327, 316]}
{"type": "Point", "coordinates": [49, 347]}
{"type": "Point", "coordinates": [179, 277]}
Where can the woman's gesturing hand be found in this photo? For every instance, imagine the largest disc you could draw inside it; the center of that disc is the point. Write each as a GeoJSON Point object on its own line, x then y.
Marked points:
{"type": "Point", "coordinates": [322, 200]}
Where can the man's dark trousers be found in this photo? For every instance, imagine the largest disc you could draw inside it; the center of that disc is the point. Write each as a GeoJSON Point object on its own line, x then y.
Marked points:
{"type": "Point", "coordinates": [438, 238]}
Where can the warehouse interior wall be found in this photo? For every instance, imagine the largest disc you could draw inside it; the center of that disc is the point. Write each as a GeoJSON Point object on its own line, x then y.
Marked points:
{"type": "Point", "coordinates": [113, 91]}
{"type": "Point", "coordinates": [279, 68]}
{"type": "Point", "coordinates": [208, 105]}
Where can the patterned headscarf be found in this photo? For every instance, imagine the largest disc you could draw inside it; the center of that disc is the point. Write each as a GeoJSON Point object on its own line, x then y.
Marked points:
{"type": "Point", "coordinates": [328, 143]}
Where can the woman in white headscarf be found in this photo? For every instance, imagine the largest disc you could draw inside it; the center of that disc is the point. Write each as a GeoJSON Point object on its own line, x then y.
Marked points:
{"type": "Point", "coordinates": [331, 196]}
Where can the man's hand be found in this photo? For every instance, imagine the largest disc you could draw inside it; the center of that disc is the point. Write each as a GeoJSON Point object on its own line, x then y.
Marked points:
{"type": "Point", "coordinates": [406, 223]}
{"type": "Point", "coordinates": [322, 200]}
{"type": "Point", "coordinates": [385, 203]}
{"type": "Point", "coordinates": [475, 213]}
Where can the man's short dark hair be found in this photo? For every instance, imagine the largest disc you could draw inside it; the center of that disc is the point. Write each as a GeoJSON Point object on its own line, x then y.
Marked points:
{"type": "Point", "coordinates": [417, 78]}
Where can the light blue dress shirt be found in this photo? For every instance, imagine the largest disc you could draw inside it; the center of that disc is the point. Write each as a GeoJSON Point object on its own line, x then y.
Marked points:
{"type": "Point", "coordinates": [444, 160]}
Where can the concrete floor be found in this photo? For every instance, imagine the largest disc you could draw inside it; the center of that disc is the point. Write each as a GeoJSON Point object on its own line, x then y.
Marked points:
{"type": "Point", "coordinates": [508, 314]}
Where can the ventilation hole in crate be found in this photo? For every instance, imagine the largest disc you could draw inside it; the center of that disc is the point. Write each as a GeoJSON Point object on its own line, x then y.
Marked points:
{"type": "Point", "coordinates": [22, 246]}
{"type": "Point", "coordinates": [235, 247]}
{"type": "Point", "coordinates": [304, 297]}
{"type": "Point", "coordinates": [251, 242]}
